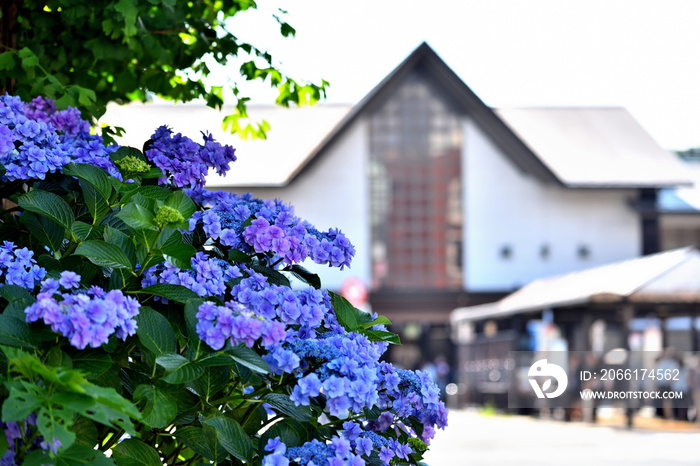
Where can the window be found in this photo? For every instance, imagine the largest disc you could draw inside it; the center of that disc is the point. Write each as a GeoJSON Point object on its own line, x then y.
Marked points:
{"type": "Point", "coordinates": [415, 183]}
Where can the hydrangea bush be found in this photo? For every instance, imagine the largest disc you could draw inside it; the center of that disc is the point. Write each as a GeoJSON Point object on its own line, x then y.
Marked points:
{"type": "Point", "coordinates": [148, 321]}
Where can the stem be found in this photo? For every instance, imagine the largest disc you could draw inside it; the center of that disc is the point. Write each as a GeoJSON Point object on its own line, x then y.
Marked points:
{"type": "Point", "coordinates": [175, 454]}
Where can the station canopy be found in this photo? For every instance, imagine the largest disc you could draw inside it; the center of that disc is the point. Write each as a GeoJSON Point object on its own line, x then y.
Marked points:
{"type": "Point", "coordinates": [670, 277]}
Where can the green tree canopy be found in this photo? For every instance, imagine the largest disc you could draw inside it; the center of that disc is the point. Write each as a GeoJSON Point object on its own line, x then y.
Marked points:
{"type": "Point", "coordinates": [87, 53]}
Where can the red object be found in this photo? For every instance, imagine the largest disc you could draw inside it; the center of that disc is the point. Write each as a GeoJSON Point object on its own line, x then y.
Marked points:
{"type": "Point", "coordinates": [354, 290]}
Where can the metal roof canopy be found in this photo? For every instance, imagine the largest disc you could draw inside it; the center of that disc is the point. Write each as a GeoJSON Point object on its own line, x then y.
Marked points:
{"type": "Point", "coordinates": [671, 277]}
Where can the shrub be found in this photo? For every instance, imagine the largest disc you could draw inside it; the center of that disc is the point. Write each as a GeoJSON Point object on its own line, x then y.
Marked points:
{"type": "Point", "coordinates": [149, 321]}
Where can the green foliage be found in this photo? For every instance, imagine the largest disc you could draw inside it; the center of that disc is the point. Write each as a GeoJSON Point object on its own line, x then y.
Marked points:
{"type": "Point", "coordinates": [87, 53]}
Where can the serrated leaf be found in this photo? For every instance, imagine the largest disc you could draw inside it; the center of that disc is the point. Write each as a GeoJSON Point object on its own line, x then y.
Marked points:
{"type": "Point", "coordinates": [159, 410]}
{"type": "Point", "coordinates": [154, 332]}
{"type": "Point", "coordinates": [48, 232]}
{"type": "Point", "coordinates": [195, 439]}
{"type": "Point", "coordinates": [133, 452]}
{"type": "Point", "coordinates": [122, 241]}
{"type": "Point", "coordinates": [345, 312]}
{"type": "Point", "coordinates": [284, 405]}
{"type": "Point", "coordinates": [91, 174]}
{"type": "Point", "coordinates": [381, 335]}
{"type": "Point", "coordinates": [87, 232]}
{"type": "Point", "coordinates": [182, 203]}
{"type": "Point", "coordinates": [273, 276]}
{"type": "Point", "coordinates": [178, 368]}
{"type": "Point", "coordinates": [94, 201]}
{"type": "Point", "coordinates": [103, 254]}
{"type": "Point", "coordinates": [307, 277]}
{"type": "Point", "coordinates": [380, 320]}
{"type": "Point", "coordinates": [13, 292]}
{"type": "Point", "coordinates": [232, 437]}
{"type": "Point", "coordinates": [14, 332]}
{"type": "Point", "coordinates": [49, 205]}
{"type": "Point", "coordinates": [177, 293]}
{"type": "Point", "coordinates": [137, 217]}
{"type": "Point", "coordinates": [155, 192]}
{"type": "Point", "coordinates": [239, 256]}
{"type": "Point", "coordinates": [249, 358]}
{"type": "Point", "coordinates": [91, 362]}
{"type": "Point", "coordinates": [212, 380]}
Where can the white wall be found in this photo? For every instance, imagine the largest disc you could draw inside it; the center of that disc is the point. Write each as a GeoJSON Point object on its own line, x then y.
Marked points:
{"type": "Point", "coordinates": [332, 193]}
{"type": "Point", "coordinates": [504, 206]}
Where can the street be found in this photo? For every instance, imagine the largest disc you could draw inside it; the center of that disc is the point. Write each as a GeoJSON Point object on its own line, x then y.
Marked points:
{"type": "Point", "coordinates": [500, 440]}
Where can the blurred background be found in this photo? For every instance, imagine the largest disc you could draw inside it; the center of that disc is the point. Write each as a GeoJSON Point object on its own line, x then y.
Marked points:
{"type": "Point", "coordinates": [515, 176]}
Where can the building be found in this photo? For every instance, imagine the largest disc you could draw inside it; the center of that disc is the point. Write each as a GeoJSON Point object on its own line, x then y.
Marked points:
{"type": "Point", "coordinates": [450, 203]}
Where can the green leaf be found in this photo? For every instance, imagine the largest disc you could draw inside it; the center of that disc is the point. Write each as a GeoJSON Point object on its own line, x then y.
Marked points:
{"type": "Point", "coordinates": [7, 61]}
{"type": "Point", "coordinates": [91, 362]}
{"type": "Point", "coordinates": [197, 439]}
{"type": "Point", "coordinates": [283, 404]}
{"type": "Point", "coordinates": [177, 293]}
{"type": "Point", "coordinates": [182, 203]}
{"type": "Point", "coordinates": [122, 241]}
{"type": "Point", "coordinates": [80, 454]}
{"type": "Point", "coordinates": [160, 409]}
{"type": "Point", "coordinates": [103, 254]}
{"type": "Point", "coordinates": [15, 332]}
{"type": "Point", "coordinates": [273, 276]}
{"type": "Point", "coordinates": [178, 368]}
{"type": "Point", "coordinates": [232, 437]}
{"type": "Point", "coordinates": [291, 432]}
{"type": "Point", "coordinates": [305, 276]}
{"type": "Point", "coordinates": [137, 217]}
{"type": "Point", "coordinates": [380, 335]}
{"type": "Point", "coordinates": [381, 320]}
{"type": "Point", "coordinates": [238, 256]}
{"type": "Point", "coordinates": [155, 192]}
{"type": "Point", "coordinates": [49, 205]}
{"type": "Point", "coordinates": [179, 255]}
{"type": "Point", "coordinates": [94, 201]}
{"type": "Point", "coordinates": [87, 232]}
{"type": "Point", "coordinates": [132, 452]}
{"type": "Point", "coordinates": [249, 358]}
{"type": "Point", "coordinates": [85, 431]}
{"type": "Point", "coordinates": [48, 232]}
{"type": "Point", "coordinates": [212, 380]}
{"type": "Point", "coordinates": [14, 292]}
{"type": "Point", "coordinates": [345, 312]}
{"type": "Point", "coordinates": [154, 332]}
{"type": "Point", "coordinates": [96, 176]}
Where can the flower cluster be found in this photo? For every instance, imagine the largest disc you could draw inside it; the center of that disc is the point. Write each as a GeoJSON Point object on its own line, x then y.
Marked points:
{"type": "Point", "coordinates": [16, 437]}
{"type": "Point", "coordinates": [85, 318]}
{"type": "Point", "coordinates": [207, 277]}
{"type": "Point", "coordinates": [345, 365]}
{"type": "Point", "coordinates": [274, 229]}
{"type": "Point", "coordinates": [413, 394]}
{"type": "Point", "coordinates": [18, 267]}
{"type": "Point", "coordinates": [184, 161]}
{"type": "Point", "coordinates": [217, 324]}
{"type": "Point", "coordinates": [36, 139]}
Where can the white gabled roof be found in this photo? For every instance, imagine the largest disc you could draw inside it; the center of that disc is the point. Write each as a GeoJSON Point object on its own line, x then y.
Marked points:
{"type": "Point", "coordinates": [594, 147]}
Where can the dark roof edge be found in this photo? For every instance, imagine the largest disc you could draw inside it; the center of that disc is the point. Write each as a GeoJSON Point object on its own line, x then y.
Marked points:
{"type": "Point", "coordinates": [521, 155]}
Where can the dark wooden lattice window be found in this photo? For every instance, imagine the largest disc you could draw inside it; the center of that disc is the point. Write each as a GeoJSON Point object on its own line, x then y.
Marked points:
{"type": "Point", "coordinates": [415, 182]}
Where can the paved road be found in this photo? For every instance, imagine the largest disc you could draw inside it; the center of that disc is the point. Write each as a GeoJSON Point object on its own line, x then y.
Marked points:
{"type": "Point", "coordinates": [472, 439]}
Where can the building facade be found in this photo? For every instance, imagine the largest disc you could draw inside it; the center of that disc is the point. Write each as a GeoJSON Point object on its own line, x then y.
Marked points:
{"type": "Point", "coordinates": [448, 202]}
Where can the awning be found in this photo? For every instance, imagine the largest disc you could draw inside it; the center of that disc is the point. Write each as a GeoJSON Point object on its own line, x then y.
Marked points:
{"type": "Point", "coordinates": [662, 278]}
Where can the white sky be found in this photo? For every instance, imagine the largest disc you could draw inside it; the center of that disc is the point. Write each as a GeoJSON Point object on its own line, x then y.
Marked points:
{"type": "Point", "coordinates": [640, 54]}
